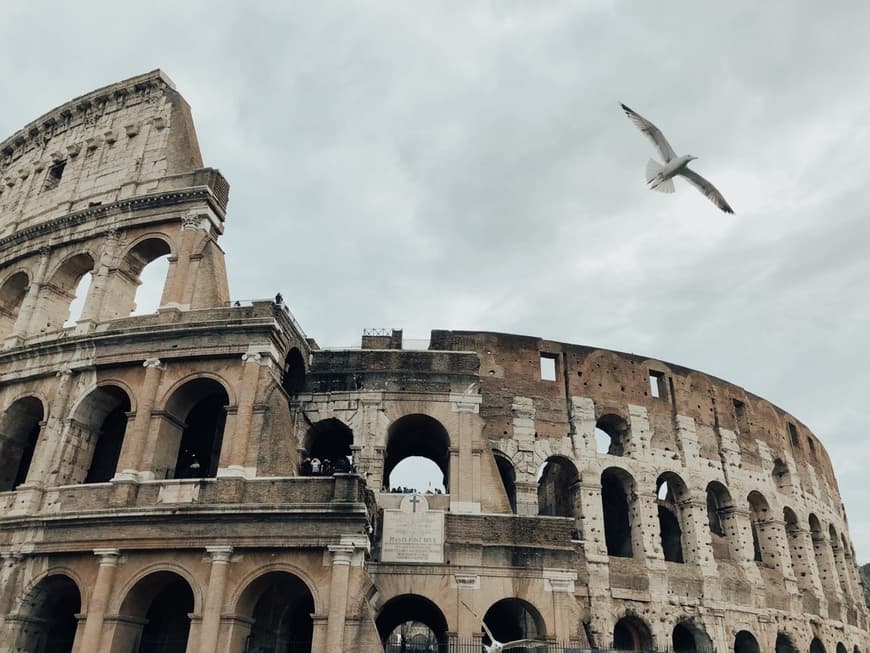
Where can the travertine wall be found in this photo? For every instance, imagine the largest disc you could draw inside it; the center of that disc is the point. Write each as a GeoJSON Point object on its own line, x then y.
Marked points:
{"type": "Point", "coordinates": [156, 459]}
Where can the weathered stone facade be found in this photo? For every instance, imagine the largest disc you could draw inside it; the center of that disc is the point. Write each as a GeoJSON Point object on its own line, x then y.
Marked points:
{"type": "Point", "coordinates": [151, 494]}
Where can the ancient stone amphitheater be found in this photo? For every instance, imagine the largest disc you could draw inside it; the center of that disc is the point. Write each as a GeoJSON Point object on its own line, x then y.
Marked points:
{"type": "Point", "coordinates": [159, 484]}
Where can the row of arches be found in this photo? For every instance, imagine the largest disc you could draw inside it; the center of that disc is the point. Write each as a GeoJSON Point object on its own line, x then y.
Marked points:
{"type": "Point", "coordinates": [272, 613]}
{"type": "Point", "coordinates": [191, 434]}
{"type": "Point", "coordinates": [61, 296]}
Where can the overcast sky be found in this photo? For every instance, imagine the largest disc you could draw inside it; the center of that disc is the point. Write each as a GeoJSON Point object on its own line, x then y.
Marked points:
{"type": "Point", "coordinates": [465, 165]}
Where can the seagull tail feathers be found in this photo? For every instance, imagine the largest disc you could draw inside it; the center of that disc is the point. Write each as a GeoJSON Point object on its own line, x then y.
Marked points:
{"type": "Point", "coordinates": [653, 170]}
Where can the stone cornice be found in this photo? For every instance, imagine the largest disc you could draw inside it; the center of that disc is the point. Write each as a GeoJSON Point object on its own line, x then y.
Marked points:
{"type": "Point", "coordinates": [138, 203]}
{"type": "Point", "coordinates": [59, 119]}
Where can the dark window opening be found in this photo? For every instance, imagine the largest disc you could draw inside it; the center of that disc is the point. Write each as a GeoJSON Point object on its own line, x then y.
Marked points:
{"type": "Point", "coordinates": [781, 476]}
{"type": "Point", "coordinates": [740, 418]}
{"type": "Point", "coordinates": [200, 446]}
{"type": "Point", "coordinates": [784, 644]}
{"type": "Point", "coordinates": [688, 638]}
{"type": "Point", "coordinates": [53, 176]}
{"type": "Point", "coordinates": [327, 449]}
{"type": "Point", "coordinates": [19, 432]}
{"type": "Point", "coordinates": [508, 478]}
{"type": "Point", "coordinates": [812, 446]}
{"type": "Point", "coordinates": [548, 367]}
{"type": "Point", "coordinates": [793, 434]}
{"type": "Point", "coordinates": [293, 378]}
{"type": "Point", "coordinates": [669, 523]}
{"type": "Point", "coordinates": [617, 522]}
{"type": "Point", "coordinates": [557, 487]}
{"type": "Point", "coordinates": [110, 438]}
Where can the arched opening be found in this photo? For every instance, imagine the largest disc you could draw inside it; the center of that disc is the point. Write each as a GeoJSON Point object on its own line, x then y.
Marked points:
{"type": "Point", "coordinates": [839, 560]}
{"type": "Point", "coordinates": [825, 568]}
{"type": "Point", "coordinates": [632, 634]}
{"type": "Point", "coordinates": [690, 638]}
{"type": "Point", "coordinates": [745, 642]}
{"type": "Point", "coordinates": [279, 605]}
{"type": "Point", "coordinates": [19, 433]}
{"type": "Point", "coordinates": [513, 619]}
{"type": "Point", "coordinates": [139, 286]}
{"type": "Point", "coordinates": [155, 615]}
{"type": "Point", "coordinates": [670, 491]}
{"type": "Point", "coordinates": [418, 437]}
{"type": "Point", "coordinates": [293, 376]}
{"type": "Point", "coordinates": [800, 563]}
{"type": "Point", "coordinates": [760, 524]}
{"type": "Point", "coordinates": [12, 294]}
{"type": "Point", "coordinates": [611, 434]}
{"type": "Point", "coordinates": [816, 646]}
{"type": "Point", "coordinates": [557, 487]}
{"type": "Point", "coordinates": [327, 448]}
{"type": "Point", "coordinates": [781, 476]}
{"type": "Point", "coordinates": [784, 644]}
{"type": "Point", "coordinates": [63, 299]}
{"type": "Point", "coordinates": [720, 509]}
{"type": "Point", "coordinates": [412, 624]}
{"type": "Point", "coordinates": [841, 648]}
{"type": "Point", "coordinates": [100, 422]}
{"type": "Point", "coordinates": [192, 430]}
{"type": "Point", "coordinates": [617, 491]}
{"type": "Point", "coordinates": [508, 477]}
{"type": "Point", "coordinates": [47, 616]}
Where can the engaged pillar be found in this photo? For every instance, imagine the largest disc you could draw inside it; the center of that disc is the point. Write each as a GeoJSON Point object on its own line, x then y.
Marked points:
{"type": "Point", "coordinates": [99, 599]}
{"type": "Point", "coordinates": [214, 598]}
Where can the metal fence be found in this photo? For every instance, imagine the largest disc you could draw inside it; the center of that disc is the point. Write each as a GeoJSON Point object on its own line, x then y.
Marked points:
{"type": "Point", "coordinates": [456, 644]}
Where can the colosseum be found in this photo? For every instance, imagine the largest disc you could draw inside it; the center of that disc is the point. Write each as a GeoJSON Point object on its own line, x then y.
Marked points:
{"type": "Point", "coordinates": [206, 478]}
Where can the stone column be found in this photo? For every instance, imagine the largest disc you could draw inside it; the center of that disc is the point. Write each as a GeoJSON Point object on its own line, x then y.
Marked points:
{"type": "Point", "coordinates": [25, 320]}
{"type": "Point", "coordinates": [523, 410]}
{"type": "Point", "coordinates": [341, 557]}
{"type": "Point", "coordinates": [96, 611]}
{"type": "Point", "coordinates": [92, 310]}
{"type": "Point", "coordinates": [697, 546]}
{"type": "Point", "coordinates": [134, 441]}
{"type": "Point", "coordinates": [48, 446]}
{"type": "Point", "coordinates": [462, 495]}
{"type": "Point", "coordinates": [214, 598]}
{"type": "Point", "coordinates": [11, 566]}
{"type": "Point", "coordinates": [234, 462]}
{"type": "Point", "coordinates": [182, 273]}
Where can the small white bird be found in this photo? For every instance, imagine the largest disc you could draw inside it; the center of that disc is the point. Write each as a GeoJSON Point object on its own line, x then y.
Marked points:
{"type": "Point", "coordinates": [498, 647]}
{"type": "Point", "coordinates": [660, 177]}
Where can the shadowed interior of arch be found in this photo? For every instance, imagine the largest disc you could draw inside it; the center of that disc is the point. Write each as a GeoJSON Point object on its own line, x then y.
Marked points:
{"type": "Point", "coordinates": [631, 634]}
{"type": "Point", "coordinates": [557, 487]}
{"type": "Point", "coordinates": [156, 611]}
{"type": "Point", "coordinates": [20, 427]}
{"type": "Point", "coordinates": [102, 421]}
{"type": "Point", "coordinates": [280, 606]}
{"type": "Point", "coordinates": [410, 623]}
{"type": "Point", "coordinates": [49, 616]}
{"type": "Point", "coordinates": [512, 619]}
{"type": "Point", "coordinates": [417, 436]}
{"type": "Point", "coordinates": [12, 294]}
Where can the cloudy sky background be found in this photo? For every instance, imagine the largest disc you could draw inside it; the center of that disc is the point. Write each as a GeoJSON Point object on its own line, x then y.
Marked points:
{"type": "Point", "coordinates": [466, 165]}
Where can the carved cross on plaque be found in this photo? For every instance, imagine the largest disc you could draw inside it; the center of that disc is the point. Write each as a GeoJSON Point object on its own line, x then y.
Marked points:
{"type": "Point", "coordinates": [414, 501]}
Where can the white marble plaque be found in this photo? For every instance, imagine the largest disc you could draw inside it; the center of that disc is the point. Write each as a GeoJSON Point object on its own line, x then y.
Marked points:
{"type": "Point", "coordinates": [413, 533]}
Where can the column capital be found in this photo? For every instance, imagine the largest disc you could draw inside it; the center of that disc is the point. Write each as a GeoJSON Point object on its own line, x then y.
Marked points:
{"type": "Point", "coordinates": [255, 357]}
{"type": "Point", "coordinates": [341, 554]}
{"type": "Point", "coordinates": [219, 554]}
{"type": "Point", "coordinates": [153, 362]}
{"type": "Point", "coordinates": [108, 556]}
{"type": "Point", "coordinates": [13, 556]}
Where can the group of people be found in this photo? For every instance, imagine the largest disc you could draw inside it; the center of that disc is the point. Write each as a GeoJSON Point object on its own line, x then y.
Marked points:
{"type": "Point", "coordinates": [326, 467]}
{"type": "Point", "coordinates": [409, 490]}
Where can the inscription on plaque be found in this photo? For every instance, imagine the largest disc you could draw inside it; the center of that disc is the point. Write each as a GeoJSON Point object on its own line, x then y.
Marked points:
{"type": "Point", "coordinates": [413, 533]}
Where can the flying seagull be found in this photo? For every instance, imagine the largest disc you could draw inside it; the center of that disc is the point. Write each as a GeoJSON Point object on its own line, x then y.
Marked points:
{"type": "Point", "coordinates": [498, 647]}
{"type": "Point", "coordinates": [660, 177]}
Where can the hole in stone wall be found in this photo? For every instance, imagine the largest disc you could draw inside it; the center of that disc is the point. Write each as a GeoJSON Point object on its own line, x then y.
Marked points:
{"type": "Point", "coordinates": [77, 305]}
{"type": "Point", "coordinates": [611, 434]}
{"type": "Point", "coordinates": [151, 282]}
{"type": "Point", "coordinates": [548, 367]}
{"type": "Point", "coordinates": [616, 488]}
{"type": "Point", "coordinates": [656, 384]}
{"type": "Point", "coordinates": [53, 176]}
{"type": "Point", "coordinates": [793, 435]}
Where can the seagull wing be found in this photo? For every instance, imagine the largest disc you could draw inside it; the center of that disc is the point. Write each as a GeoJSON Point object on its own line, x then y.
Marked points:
{"type": "Point", "coordinates": [524, 643]}
{"type": "Point", "coordinates": [652, 132]}
{"type": "Point", "coordinates": [706, 188]}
